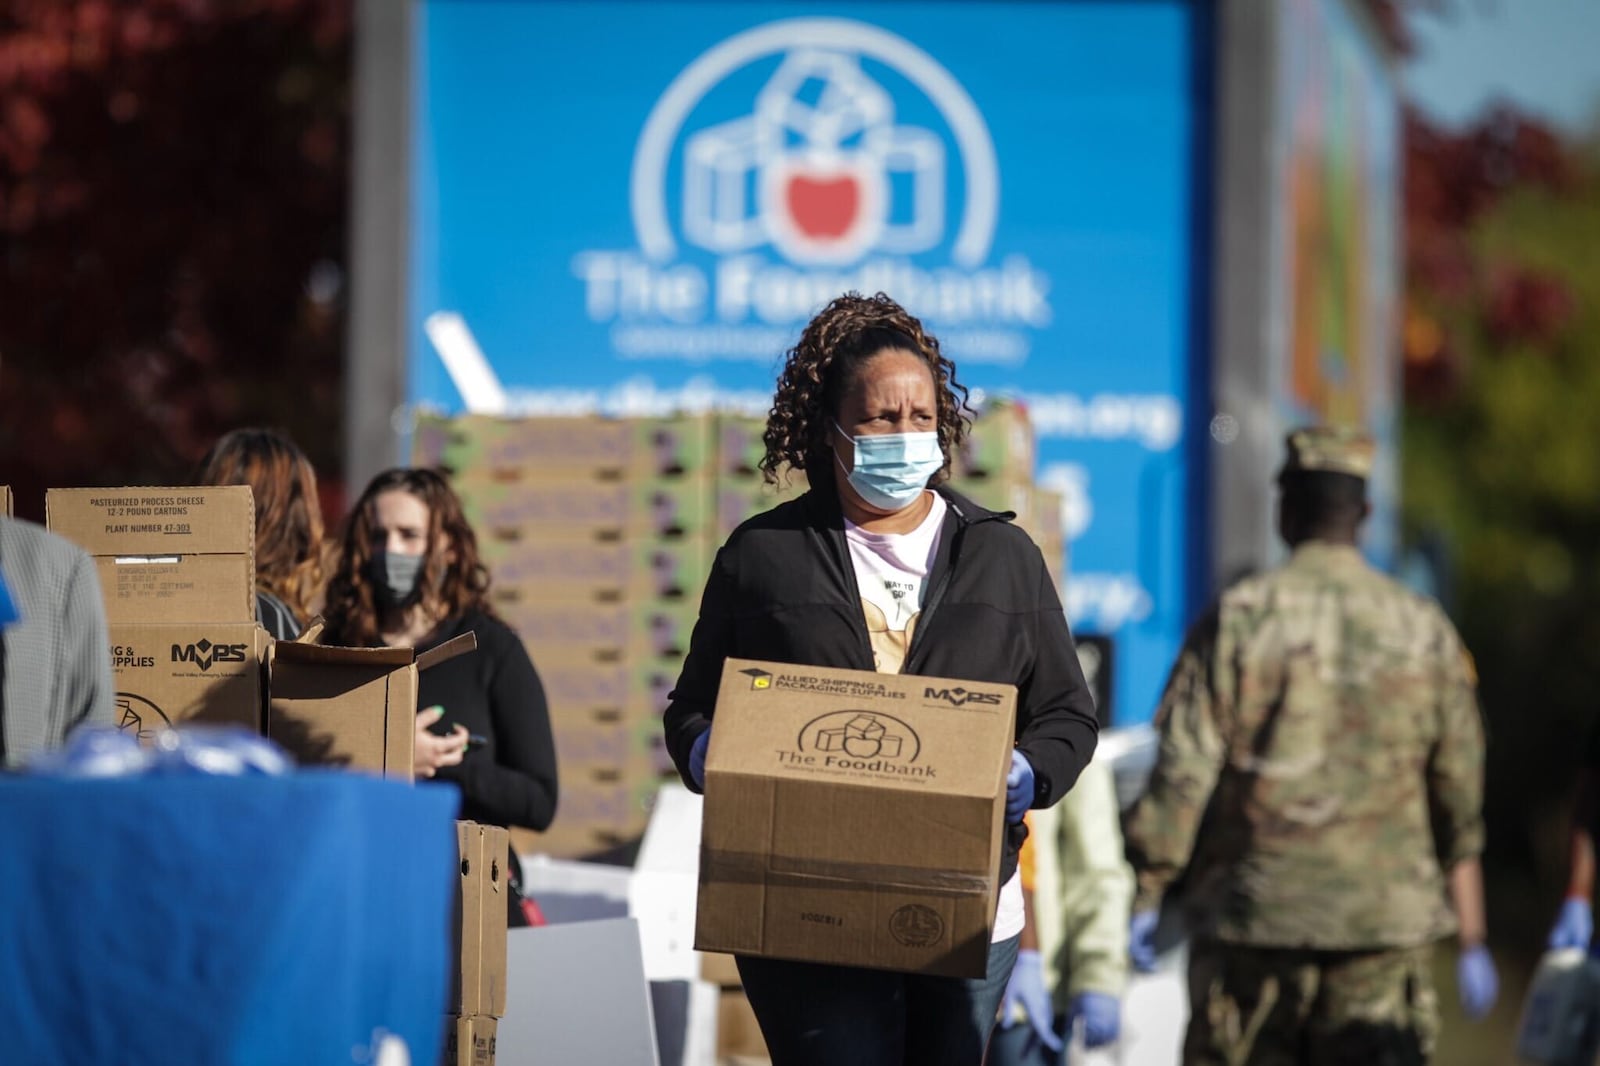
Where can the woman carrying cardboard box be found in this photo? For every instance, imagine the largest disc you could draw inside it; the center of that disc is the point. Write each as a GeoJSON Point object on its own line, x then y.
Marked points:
{"type": "Point", "coordinates": [880, 567]}
{"type": "Point", "coordinates": [409, 575]}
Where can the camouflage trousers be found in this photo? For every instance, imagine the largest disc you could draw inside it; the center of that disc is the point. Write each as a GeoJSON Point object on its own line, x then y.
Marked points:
{"type": "Point", "coordinates": [1252, 1006]}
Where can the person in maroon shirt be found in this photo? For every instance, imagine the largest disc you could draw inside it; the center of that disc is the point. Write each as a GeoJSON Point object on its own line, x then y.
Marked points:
{"type": "Point", "coordinates": [409, 575]}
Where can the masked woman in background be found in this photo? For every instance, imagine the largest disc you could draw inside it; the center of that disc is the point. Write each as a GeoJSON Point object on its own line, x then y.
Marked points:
{"type": "Point", "coordinates": [288, 522]}
{"type": "Point", "coordinates": [409, 575]}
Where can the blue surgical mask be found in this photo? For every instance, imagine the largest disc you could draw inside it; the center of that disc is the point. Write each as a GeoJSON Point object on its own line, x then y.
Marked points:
{"type": "Point", "coordinates": [892, 469]}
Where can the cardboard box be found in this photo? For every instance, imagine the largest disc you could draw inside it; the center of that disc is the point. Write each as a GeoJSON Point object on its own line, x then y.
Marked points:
{"type": "Point", "coordinates": [635, 571]}
{"type": "Point", "coordinates": [466, 977]}
{"type": "Point", "coordinates": [576, 842]}
{"type": "Point", "coordinates": [738, 1032]}
{"type": "Point", "coordinates": [636, 689]}
{"type": "Point", "coordinates": [207, 672]}
{"type": "Point", "coordinates": [1016, 495]}
{"type": "Point", "coordinates": [168, 553]}
{"type": "Point", "coordinates": [581, 631]}
{"type": "Point", "coordinates": [469, 1041]}
{"type": "Point", "coordinates": [353, 707]}
{"type": "Point", "coordinates": [600, 813]}
{"type": "Point", "coordinates": [1001, 443]}
{"type": "Point", "coordinates": [590, 509]}
{"type": "Point", "coordinates": [606, 738]}
{"type": "Point", "coordinates": [737, 500]}
{"type": "Point", "coordinates": [7, 505]}
{"type": "Point", "coordinates": [673, 447]}
{"type": "Point", "coordinates": [1049, 522]}
{"type": "Point", "coordinates": [740, 446]}
{"type": "Point", "coordinates": [854, 818]}
{"type": "Point", "coordinates": [720, 970]}
{"type": "Point", "coordinates": [478, 985]}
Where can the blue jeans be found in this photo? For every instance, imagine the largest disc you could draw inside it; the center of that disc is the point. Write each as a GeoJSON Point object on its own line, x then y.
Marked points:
{"type": "Point", "coordinates": [816, 1015]}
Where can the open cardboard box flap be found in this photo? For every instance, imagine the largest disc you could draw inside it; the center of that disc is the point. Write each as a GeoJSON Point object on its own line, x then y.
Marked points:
{"type": "Point", "coordinates": [448, 650]}
{"type": "Point", "coordinates": [302, 651]}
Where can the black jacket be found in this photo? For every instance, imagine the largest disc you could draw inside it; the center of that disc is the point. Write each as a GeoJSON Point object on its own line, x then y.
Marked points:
{"type": "Point", "coordinates": [783, 589]}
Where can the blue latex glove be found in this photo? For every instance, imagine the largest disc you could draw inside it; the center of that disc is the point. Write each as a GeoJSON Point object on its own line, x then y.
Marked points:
{"type": "Point", "coordinates": [1026, 989]}
{"type": "Point", "coordinates": [697, 759]}
{"type": "Point", "coordinates": [1574, 926]}
{"type": "Point", "coordinates": [1142, 940]}
{"type": "Point", "coordinates": [1019, 787]}
{"type": "Point", "coordinates": [1102, 1017]}
{"type": "Point", "coordinates": [1480, 985]}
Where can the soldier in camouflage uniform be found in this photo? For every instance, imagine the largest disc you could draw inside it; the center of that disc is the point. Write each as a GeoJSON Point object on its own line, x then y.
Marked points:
{"type": "Point", "coordinates": [1318, 789]}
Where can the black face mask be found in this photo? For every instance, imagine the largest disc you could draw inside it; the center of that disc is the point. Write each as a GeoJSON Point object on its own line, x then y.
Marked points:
{"type": "Point", "coordinates": [396, 576]}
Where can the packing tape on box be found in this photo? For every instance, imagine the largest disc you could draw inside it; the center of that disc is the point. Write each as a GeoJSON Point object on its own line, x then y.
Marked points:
{"type": "Point", "coordinates": [746, 867]}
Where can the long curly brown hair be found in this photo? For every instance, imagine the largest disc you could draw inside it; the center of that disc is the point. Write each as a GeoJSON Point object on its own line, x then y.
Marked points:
{"type": "Point", "coordinates": [822, 368]}
{"type": "Point", "coordinates": [288, 512]}
{"type": "Point", "coordinates": [453, 583]}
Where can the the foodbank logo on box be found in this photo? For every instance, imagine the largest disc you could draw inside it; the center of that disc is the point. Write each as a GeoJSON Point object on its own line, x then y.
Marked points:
{"type": "Point", "coordinates": [859, 162]}
{"type": "Point", "coordinates": [860, 741]}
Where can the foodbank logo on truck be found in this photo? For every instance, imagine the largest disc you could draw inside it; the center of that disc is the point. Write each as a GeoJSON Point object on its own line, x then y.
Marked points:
{"type": "Point", "coordinates": [797, 160]}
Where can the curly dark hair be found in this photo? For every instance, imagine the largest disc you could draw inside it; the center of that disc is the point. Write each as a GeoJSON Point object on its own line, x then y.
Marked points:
{"type": "Point", "coordinates": [453, 584]}
{"type": "Point", "coordinates": [820, 369]}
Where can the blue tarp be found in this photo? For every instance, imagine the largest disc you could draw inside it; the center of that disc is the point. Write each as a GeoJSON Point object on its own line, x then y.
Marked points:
{"type": "Point", "coordinates": [240, 920]}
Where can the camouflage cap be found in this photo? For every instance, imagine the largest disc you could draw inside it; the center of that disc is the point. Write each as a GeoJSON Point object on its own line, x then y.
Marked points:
{"type": "Point", "coordinates": [1331, 450]}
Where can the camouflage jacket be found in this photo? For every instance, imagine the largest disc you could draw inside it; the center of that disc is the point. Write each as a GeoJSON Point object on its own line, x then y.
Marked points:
{"type": "Point", "coordinates": [1321, 763]}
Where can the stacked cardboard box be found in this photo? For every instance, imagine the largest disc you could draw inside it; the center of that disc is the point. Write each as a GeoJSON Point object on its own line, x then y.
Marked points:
{"type": "Point", "coordinates": [844, 853]}
{"type": "Point", "coordinates": [598, 534]}
{"type": "Point", "coordinates": [478, 979]}
{"type": "Point", "coordinates": [741, 490]}
{"type": "Point", "coordinates": [177, 573]}
{"type": "Point", "coordinates": [995, 469]}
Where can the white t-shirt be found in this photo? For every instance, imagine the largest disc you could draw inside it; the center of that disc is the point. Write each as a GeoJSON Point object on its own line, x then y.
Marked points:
{"type": "Point", "coordinates": [892, 576]}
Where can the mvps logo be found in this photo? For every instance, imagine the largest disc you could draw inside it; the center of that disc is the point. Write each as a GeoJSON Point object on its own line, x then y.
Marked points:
{"type": "Point", "coordinates": [961, 697]}
{"type": "Point", "coordinates": [203, 653]}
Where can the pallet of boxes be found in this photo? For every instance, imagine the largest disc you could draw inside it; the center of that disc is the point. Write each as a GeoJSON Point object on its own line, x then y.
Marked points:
{"type": "Point", "coordinates": [995, 469]}
{"type": "Point", "coordinates": [598, 535]}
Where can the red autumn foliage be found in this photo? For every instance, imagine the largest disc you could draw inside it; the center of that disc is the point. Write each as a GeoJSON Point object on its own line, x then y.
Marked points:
{"type": "Point", "coordinates": [173, 201]}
